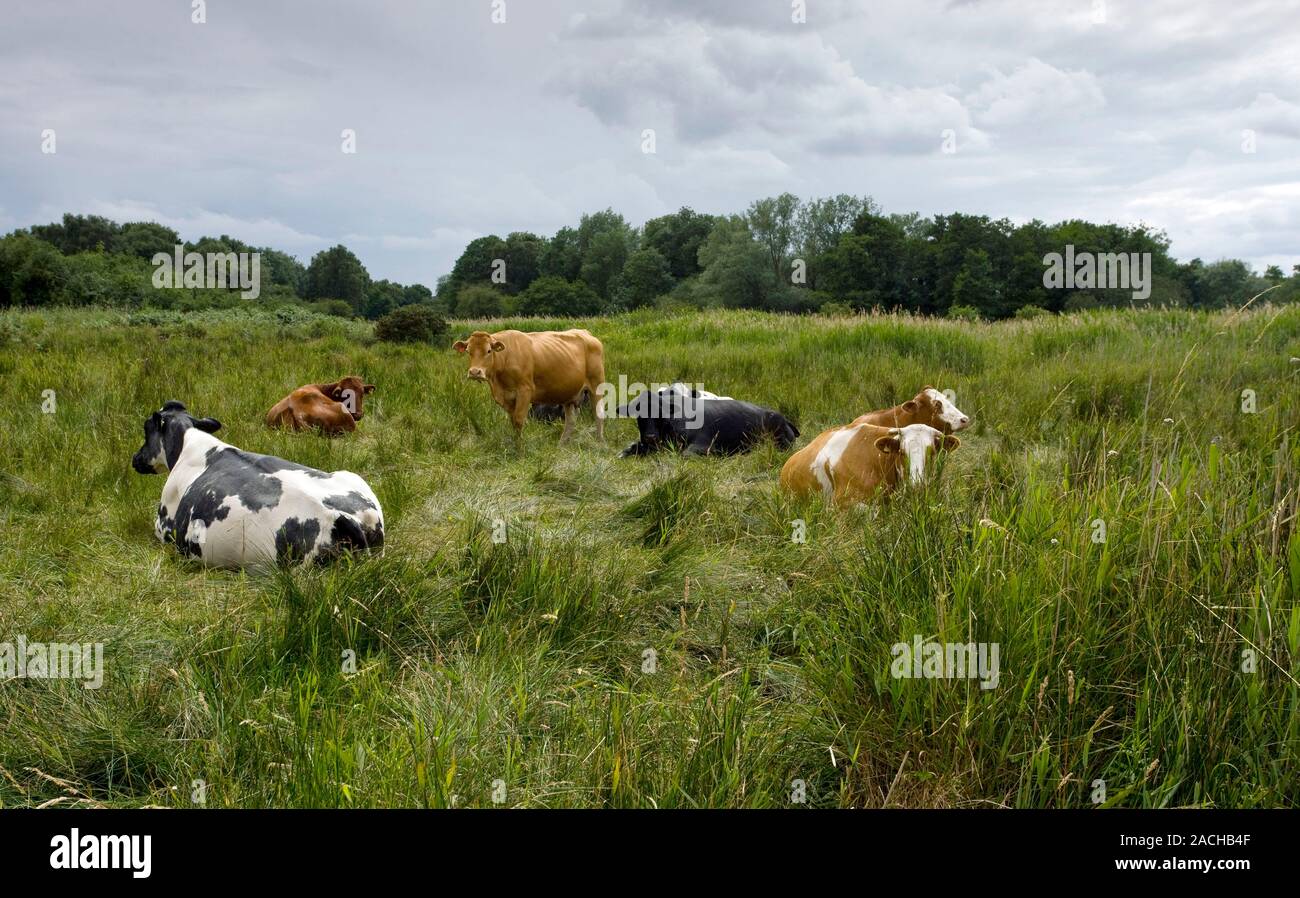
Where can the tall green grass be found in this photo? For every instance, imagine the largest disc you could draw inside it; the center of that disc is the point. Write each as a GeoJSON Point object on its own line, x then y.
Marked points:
{"type": "Point", "coordinates": [648, 632]}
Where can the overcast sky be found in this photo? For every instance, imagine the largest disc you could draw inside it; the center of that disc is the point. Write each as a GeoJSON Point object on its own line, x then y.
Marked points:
{"type": "Point", "coordinates": [1117, 111]}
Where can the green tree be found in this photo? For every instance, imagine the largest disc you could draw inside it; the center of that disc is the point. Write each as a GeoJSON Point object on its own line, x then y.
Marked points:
{"type": "Point", "coordinates": [737, 270]}
{"type": "Point", "coordinates": [549, 295]}
{"type": "Point", "coordinates": [78, 233]}
{"type": "Point", "coordinates": [974, 286]}
{"type": "Point", "coordinates": [604, 259]}
{"type": "Point", "coordinates": [282, 269]}
{"type": "Point", "coordinates": [645, 277]}
{"type": "Point", "coordinates": [821, 223]}
{"type": "Point", "coordinates": [869, 267]}
{"type": "Point", "coordinates": [678, 238]}
{"type": "Point", "coordinates": [336, 273]}
{"type": "Point", "coordinates": [523, 257]}
{"type": "Point", "coordinates": [773, 222]}
{"type": "Point", "coordinates": [479, 301]}
{"type": "Point", "coordinates": [416, 294]}
{"type": "Point", "coordinates": [32, 271]}
{"type": "Point", "coordinates": [382, 297]}
{"type": "Point", "coordinates": [561, 256]}
{"type": "Point", "coordinates": [143, 239]}
{"type": "Point", "coordinates": [476, 264]}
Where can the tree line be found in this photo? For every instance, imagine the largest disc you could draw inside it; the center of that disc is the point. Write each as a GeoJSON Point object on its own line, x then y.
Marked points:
{"type": "Point", "coordinates": [91, 260]}
{"type": "Point", "coordinates": [835, 253]}
{"type": "Point", "coordinates": [831, 254]}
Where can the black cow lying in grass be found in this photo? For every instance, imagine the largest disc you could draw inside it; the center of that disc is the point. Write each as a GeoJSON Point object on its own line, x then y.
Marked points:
{"type": "Point", "coordinates": [236, 509]}
{"type": "Point", "coordinates": [701, 423]}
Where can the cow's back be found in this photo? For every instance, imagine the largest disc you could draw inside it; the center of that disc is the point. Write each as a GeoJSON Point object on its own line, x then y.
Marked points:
{"type": "Point", "coordinates": [885, 417]}
{"type": "Point", "coordinates": [842, 463]}
{"type": "Point", "coordinates": [797, 472]}
{"type": "Point", "coordinates": [556, 364]}
{"type": "Point", "coordinates": [248, 510]}
{"type": "Point", "coordinates": [732, 425]}
{"type": "Point", "coordinates": [307, 408]}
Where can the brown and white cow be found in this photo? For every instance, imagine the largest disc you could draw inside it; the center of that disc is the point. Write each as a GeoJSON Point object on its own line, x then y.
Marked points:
{"type": "Point", "coordinates": [928, 407]}
{"type": "Point", "coordinates": [332, 408]}
{"type": "Point", "coordinates": [850, 464]}
{"type": "Point", "coordinates": [544, 368]}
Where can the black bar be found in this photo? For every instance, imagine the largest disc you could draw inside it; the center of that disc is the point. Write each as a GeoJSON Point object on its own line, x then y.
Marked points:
{"type": "Point", "coordinates": [339, 848]}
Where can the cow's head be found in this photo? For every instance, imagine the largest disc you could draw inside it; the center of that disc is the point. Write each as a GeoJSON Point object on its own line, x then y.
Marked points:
{"type": "Point", "coordinates": [659, 415]}
{"type": "Point", "coordinates": [934, 409]}
{"type": "Point", "coordinates": [914, 445]}
{"type": "Point", "coordinates": [482, 349]}
{"type": "Point", "coordinates": [349, 392]}
{"type": "Point", "coordinates": [164, 437]}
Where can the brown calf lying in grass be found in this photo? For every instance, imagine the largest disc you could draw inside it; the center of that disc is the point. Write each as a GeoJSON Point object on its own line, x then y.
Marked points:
{"type": "Point", "coordinates": [848, 465]}
{"type": "Point", "coordinates": [332, 408]}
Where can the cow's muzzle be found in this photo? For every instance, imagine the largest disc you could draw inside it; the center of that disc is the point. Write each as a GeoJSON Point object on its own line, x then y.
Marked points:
{"type": "Point", "coordinates": [477, 374]}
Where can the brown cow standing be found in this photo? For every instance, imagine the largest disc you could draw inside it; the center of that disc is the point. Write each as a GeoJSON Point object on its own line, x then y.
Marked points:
{"type": "Point", "coordinates": [928, 407]}
{"type": "Point", "coordinates": [851, 464]}
{"type": "Point", "coordinates": [332, 408]}
{"type": "Point", "coordinates": [549, 367]}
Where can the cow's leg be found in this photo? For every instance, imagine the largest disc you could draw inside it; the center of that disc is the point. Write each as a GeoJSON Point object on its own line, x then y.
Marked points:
{"type": "Point", "coordinates": [599, 408]}
{"type": "Point", "coordinates": [570, 412]}
{"type": "Point", "coordinates": [519, 414]}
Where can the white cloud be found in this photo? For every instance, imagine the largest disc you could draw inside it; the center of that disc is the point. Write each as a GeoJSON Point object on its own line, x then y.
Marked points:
{"type": "Point", "coordinates": [1270, 113]}
{"type": "Point", "coordinates": [1034, 92]}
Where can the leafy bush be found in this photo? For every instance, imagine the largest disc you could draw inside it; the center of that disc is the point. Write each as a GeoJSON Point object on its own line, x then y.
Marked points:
{"type": "Point", "coordinates": [836, 309]}
{"type": "Point", "coordinates": [965, 313]}
{"type": "Point", "coordinates": [556, 296]}
{"type": "Point", "coordinates": [338, 307]}
{"type": "Point", "coordinates": [410, 324]}
{"type": "Point", "coordinates": [480, 301]}
{"type": "Point", "coordinates": [1031, 312]}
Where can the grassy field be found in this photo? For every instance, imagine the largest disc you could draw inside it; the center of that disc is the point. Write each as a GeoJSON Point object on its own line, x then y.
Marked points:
{"type": "Point", "coordinates": [1162, 661]}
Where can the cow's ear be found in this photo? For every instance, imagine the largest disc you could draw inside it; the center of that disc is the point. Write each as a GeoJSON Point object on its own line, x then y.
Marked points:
{"type": "Point", "coordinates": [950, 442]}
{"type": "Point", "coordinates": [460, 346]}
{"type": "Point", "coordinates": [888, 444]}
{"type": "Point", "coordinates": [909, 405]}
{"type": "Point", "coordinates": [367, 389]}
{"type": "Point", "coordinates": [498, 346]}
{"type": "Point", "coordinates": [207, 425]}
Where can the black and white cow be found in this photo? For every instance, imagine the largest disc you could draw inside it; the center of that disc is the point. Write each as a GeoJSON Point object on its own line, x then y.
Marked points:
{"type": "Point", "coordinates": [236, 509]}
{"type": "Point", "coordinates": [702, 423]}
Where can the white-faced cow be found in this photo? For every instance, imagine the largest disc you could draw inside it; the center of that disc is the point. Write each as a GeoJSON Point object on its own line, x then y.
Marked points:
{"type": "Point", "coordinates": [928, 407]}
{"type": "Point", "coordinates": [848, 465]}
{"type": "Point", "coordinates": [549, 367]}
{"type": "Point", "coordinates": [701, 423]}
{"type": "Point", "coordinates": [236, 509]}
